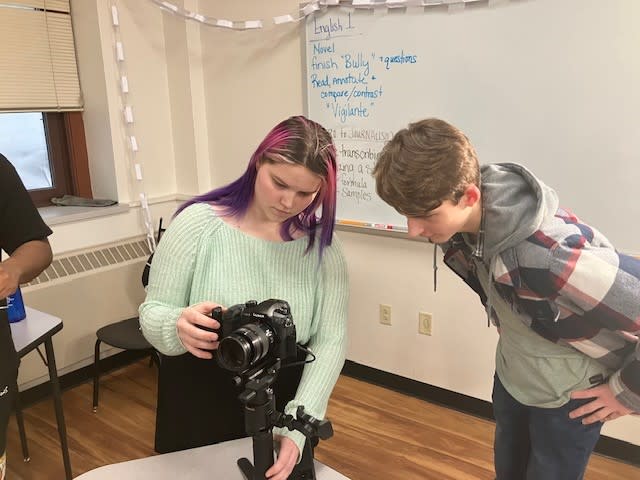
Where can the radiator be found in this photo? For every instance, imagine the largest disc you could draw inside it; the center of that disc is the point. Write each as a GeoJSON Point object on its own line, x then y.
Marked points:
{"type": "Point", "coordinates": [101, 257]}
{"type": "Point", "coordinates": [87, 290]}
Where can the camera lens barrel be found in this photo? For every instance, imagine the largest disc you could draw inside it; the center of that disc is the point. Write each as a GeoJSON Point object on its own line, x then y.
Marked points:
{"type": "Point", "coordinates": [244, 347]}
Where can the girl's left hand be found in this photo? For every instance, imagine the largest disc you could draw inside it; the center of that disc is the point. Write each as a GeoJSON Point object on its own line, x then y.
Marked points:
{"type": "Point", "coordinates": [287, 458]}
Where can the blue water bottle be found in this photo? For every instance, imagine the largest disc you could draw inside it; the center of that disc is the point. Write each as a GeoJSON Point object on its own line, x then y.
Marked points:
{"type": "Point", "coordinates": [15, 307]}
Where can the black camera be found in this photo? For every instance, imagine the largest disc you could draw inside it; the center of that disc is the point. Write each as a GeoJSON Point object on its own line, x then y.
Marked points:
{"type": "Point", "coordinates": [253, 334]}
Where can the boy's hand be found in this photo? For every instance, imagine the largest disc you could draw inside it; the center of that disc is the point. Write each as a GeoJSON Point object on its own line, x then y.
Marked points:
{"type": "Point", "coordinates": [603, 408]}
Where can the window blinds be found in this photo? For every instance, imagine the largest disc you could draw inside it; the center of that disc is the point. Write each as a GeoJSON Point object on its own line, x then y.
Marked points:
{"type": "Point", "coordinates": [38, 70]}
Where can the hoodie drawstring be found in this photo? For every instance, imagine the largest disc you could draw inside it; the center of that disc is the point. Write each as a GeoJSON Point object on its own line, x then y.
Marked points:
{"type": "Point", "coordinates": [478, 254]}
{"type": "Point", "coordinates": [435, 267]}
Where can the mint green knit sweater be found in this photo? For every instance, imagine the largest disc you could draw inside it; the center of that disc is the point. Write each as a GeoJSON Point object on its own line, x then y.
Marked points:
{"type": "Point", "coordinates": [201, 258]}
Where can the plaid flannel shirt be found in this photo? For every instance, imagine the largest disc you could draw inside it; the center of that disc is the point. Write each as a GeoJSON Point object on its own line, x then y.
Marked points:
{"type": "Point", "coordinates": [576, 289]}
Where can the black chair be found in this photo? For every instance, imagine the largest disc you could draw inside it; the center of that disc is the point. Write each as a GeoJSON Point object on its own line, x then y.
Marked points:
{"type": "Point", "coordinates": [125, 334]}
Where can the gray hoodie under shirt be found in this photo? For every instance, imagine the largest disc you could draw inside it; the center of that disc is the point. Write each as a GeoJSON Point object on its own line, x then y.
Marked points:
{"type": "Point", "coordinates": [534, 370]}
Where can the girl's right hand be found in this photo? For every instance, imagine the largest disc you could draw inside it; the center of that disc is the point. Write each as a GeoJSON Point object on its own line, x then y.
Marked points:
{"type": "Point", "coordinates": [191, 327]}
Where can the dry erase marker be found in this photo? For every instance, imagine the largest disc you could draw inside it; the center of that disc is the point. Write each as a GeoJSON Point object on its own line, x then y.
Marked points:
{"type": "Point", "coordinates": [353, 222]}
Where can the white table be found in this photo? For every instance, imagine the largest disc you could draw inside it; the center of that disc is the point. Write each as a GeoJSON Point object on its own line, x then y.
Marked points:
{"type": "Point", "coordinates": [202, 463]}
{"type": "Point", "coordinates": [36, 329]}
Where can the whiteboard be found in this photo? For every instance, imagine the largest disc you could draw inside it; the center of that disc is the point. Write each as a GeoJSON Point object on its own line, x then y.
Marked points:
{"type": "Point", "coordinates": [551, 84]}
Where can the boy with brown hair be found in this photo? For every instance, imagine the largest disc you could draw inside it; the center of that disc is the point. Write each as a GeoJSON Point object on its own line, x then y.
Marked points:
{"type": "Point", "coordinates": [565, 302]}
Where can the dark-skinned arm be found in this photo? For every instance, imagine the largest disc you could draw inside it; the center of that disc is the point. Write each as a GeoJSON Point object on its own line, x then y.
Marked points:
{"type": "Point", "coordinates": [25, 263]}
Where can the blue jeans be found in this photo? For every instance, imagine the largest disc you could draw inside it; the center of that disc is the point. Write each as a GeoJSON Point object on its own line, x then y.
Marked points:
{"type": "Point", "coordinates": [540, 443]}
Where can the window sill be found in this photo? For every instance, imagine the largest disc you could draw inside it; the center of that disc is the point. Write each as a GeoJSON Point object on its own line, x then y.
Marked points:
{"type": "Point", "coordinates": [55, 215]}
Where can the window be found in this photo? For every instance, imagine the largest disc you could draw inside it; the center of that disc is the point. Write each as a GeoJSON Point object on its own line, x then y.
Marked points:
{"type": "Point", "coordinates": [23, 140]}
{"type": "Point", "coordinates": [41, 130]}
{"type": "Point", "coordinates": [49, 152]}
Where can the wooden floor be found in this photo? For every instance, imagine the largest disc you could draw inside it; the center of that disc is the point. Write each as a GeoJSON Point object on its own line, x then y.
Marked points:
{"type": "Point", "coordinates": [417, 440]}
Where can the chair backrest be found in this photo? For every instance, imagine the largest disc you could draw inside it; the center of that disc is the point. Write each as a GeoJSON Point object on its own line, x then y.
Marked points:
{"type": "Point", "coordinates": [147, 266]}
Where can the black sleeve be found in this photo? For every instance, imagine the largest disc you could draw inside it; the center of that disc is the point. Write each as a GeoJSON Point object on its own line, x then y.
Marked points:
{"type": "Point", "coordinates": [20, 221]}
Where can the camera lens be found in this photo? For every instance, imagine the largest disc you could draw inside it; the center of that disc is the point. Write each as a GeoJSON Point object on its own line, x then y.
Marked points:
{"type": "Point", "coordinates": [244, 347]}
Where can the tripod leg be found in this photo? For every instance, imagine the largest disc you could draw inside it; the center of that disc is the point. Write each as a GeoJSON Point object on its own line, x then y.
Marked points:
{"type": "Point", "coordinates": [262, 453]}
{"type": "Point", "coordinates": [305, 470]}
{"type": "Point", "coordinates": [262, 456]}
{"type": "Point", "coordinates": [246, 468]}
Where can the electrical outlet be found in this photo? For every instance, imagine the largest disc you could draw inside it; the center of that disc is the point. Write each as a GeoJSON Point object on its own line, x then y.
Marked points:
{"type": "Point", "coordinates": [424, 323]}
{"type": "Point", "coordinates": [385, 314]}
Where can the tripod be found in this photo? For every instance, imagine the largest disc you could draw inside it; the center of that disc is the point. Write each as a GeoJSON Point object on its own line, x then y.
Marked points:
{"type": "Point", "coordinates": [260, 418]}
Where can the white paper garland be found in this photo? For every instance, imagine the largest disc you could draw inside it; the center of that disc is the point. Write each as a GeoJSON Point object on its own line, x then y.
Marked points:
{"type": "Point", "coordinates": [129, 123]}
{"type": "Point", "coordinates": [309, 9]}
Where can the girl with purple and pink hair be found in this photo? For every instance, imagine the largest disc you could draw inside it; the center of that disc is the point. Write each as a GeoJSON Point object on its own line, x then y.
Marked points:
{"type": "Point", "coordinates": [296, 141]}
{"type": "Point", "coordinates": [254, 239]}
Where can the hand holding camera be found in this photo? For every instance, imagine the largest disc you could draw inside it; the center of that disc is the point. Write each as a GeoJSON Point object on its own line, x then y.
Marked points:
{"type": "Point", "coordinates": [197, 330]}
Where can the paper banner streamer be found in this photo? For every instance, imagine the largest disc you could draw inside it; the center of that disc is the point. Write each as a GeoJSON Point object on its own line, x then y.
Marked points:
{"type": "Point", "coordinates": [309, 9]}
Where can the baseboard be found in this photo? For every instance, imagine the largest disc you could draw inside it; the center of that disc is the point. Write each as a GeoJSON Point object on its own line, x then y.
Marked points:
{"type": "Point", "coordinates": [611, 447]}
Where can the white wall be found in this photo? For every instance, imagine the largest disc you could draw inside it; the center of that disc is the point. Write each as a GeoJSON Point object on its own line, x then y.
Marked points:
{"type": "Point", "coordinates": [89, 301]}
{"type": "Point", "coordinates": [203, 98]}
